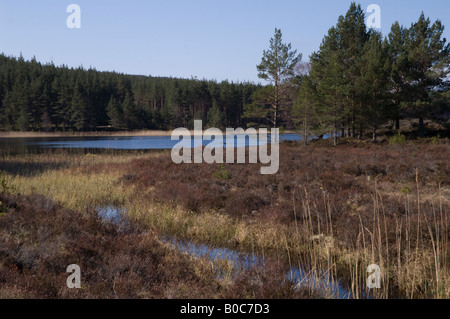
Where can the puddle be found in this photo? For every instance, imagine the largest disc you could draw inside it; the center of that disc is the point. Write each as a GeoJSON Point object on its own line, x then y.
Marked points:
{"type": "Point", "coordinates": [300, 277]}
{"type": "Point", "coordinates": [237, 259]}
{"type": "Point", "coordinates": [318, 280]}
{"type": "Point", "coordinates": [110, 213]}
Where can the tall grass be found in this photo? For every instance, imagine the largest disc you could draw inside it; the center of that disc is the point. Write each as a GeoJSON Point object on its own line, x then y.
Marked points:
{"type": "Point", "coordinates": [67, 178]}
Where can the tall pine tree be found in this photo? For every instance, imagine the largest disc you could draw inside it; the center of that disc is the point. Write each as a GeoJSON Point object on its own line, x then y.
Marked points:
{"type": "Point", "coordinates": [277, 67]}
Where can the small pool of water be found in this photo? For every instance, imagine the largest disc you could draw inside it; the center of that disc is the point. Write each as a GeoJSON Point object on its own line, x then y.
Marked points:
{"type": "Point", "coordinates": [317, 280]}
{"type": "Point", "coordinates": [110, 213]}
{"type": "Point", "coordinates": [237, 259]}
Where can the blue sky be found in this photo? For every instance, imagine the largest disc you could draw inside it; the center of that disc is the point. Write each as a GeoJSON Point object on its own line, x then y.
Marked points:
{"type": "Point", "coordinates": [211, 39]}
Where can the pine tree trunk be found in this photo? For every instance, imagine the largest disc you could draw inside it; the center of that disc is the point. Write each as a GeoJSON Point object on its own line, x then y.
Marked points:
{"type": "Point", "coordinates": [275, 120]}
{"type": "Point", "coordinates": [353, 130]}
{"type": "Point", "coordinates": [305, 133]}
{"type": "Point", "coordinates": [374, 136]}
{"type": "Point", "coordinates": [421, 132]}
{"type": "Point", "coordinates": [349, 131]}
{"type": "Point", "coordinates": [275, 117]}
{"type": "Point", "coordinates": [335, 137]}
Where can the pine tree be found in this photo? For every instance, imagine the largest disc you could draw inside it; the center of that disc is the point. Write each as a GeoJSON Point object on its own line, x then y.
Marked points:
{"type": "Point", "coordinates": [374, 82]}
{"type": "Point", "coordinates": [20, 106]}
{"type": "Point", "coordinates": [327, 72]}
{"type": "Point", "coordinates": [429, 61]}
{"type": "Point", "coordinates": [115, 113]}
{"type": "Point", "coordinates": [277, 67]}
{"type": "Point", "coordinates": [130, 113]}
{"type": "Point", "coordinates": [23, 121]}
{"type": "Point", "coordinates": [78, 111]}
{"type": "Point", "coordinates": [168, 118]}
{"type": "Point", "coordinates": [215, 116]}
{"type": "Point", "coordinates": [261, 111]}
{"type": "Point", "coordinates": [306, 111]}
{"type": "Point", "coordinates": [399, 70]}
{"type": "Point", "coordinates": [352, 37]}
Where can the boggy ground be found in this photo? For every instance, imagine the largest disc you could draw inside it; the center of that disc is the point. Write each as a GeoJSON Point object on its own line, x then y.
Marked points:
{"type": "Point", "coordinates": [335, 210]}
{"type": "Point", "coordinates": [39, 239]}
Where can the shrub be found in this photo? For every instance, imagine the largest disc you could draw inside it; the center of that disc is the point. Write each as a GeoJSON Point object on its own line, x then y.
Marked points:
{"type": "Point", "coordinates": [3, 183]}
{"type": "Point", "coordinates": [435, 140]}
{"type": "Point", "coordinates": [406, 189]}
{"type": "Point", "coordinates": [223, 173]}
{"type": "Point", "coordinates": [397, 139]}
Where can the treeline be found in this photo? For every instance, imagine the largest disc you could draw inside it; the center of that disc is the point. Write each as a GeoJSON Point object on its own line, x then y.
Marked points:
{"type": "Point", "coordinates": [358, 80]}
{"type": "Point", "coordinates": [36, 97]}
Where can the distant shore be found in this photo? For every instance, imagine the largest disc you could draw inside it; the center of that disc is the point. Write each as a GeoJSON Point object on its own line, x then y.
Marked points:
{"type": "Point", "coordinates": [94, 134]}
{"type": "Point", "coordinates": [83, 134]}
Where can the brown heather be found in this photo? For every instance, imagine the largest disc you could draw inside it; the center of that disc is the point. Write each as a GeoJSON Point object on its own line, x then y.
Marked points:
{"type": "Point", "coordinates": [341, 209]}
{"type": "Point", "coordinates": [39, 239]}
{"type": "Point", "coordinates": [334, 209]}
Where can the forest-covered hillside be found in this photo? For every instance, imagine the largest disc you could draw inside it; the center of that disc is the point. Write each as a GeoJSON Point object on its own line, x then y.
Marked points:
{"type": "Point", "coordinates": [35, 97]}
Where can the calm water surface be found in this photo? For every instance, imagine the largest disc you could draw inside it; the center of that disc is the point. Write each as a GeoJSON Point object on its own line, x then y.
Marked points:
{"type": "Point", "coordinates": [26, 145]}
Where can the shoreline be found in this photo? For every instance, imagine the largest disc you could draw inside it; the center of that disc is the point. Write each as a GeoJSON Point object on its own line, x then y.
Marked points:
{"type": "Point", "coordinates": [95, 134]}
{"type": "Point", "coordinates": [82, 134]}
